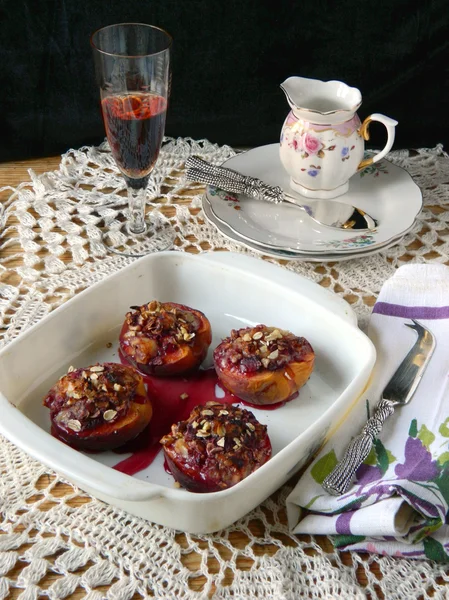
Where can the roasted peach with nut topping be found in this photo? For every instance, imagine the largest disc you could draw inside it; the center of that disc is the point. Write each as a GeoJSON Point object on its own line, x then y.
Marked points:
{"type": "Point", "coordinates": [99, 407]}
{"type": "Point", "coordinates": [164, 338]}
{"type": "Point", "coordinates": [216, 447]}
{"type": "Point", "coordinates": [263, 365]}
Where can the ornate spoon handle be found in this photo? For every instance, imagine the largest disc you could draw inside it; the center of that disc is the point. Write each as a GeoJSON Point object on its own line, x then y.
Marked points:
{"type": "Point", "coordinates": [338, 481]}
{"type": "Point", "coordinates": [226, 179]}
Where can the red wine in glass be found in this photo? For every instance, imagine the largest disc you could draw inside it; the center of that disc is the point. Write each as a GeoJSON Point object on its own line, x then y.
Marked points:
{"type": "Point", "coordinates": [135, 126]}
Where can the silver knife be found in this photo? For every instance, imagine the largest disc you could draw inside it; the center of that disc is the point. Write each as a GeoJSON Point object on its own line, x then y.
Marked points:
{"type": "Point", "coordinates": [330, 213]}
{"type": "Point", "coordinates": [399, 391]}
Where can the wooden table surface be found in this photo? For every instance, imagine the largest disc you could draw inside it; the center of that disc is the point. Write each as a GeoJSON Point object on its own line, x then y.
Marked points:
{"type": "Point", "coordinates": [12, 174]}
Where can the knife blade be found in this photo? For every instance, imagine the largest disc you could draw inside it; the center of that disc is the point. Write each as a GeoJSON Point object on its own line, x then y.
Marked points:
{"type": "Point", "coordinates": [398, 391]}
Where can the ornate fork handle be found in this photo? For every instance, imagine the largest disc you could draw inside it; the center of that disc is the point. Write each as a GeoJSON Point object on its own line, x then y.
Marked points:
{"type": "Point", "coordinates": [226, 179]}
{"type": "Point", "coordinates": [337, 482]}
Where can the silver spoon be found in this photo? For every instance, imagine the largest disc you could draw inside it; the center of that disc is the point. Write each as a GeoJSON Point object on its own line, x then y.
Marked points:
{"type": "Point", "coordinates": [325, 212]}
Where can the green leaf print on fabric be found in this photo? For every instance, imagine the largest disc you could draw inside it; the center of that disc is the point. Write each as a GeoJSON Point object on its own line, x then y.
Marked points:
{"type": "Point", "coordinates": [382, 456]}
{"type": "Point", "coordinates": [413, 431]}
{"type": "Point", "coordinates": [379, 456]}
{"type": "Point", "coordinates": [444, 429]}
{"type": "Point", "coordinates": [353, 504]}
{"type": "Point", "coordinates": [426, 436]}
{"type": "Point", "coordinates": [346, 540]}
{"type": "Point", "coordinates": [443, 459]}
{"type": "Point", "coordinates": [324, 466]}
{"type": "Point", "coordinates": [432, 526]}
{"type": "Point", "coordinates": [314, 499]}
{"type": "Point", "coordinates": [434, 550]}
{"type": "Point", "coordinates": [443, 482]}
{"type": "Point", "coordinates": [371, 459]}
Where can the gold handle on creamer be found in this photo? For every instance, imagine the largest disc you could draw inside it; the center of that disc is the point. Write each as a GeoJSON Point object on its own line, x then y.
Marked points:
{"type": "Point", "coordinates": [363, 131]}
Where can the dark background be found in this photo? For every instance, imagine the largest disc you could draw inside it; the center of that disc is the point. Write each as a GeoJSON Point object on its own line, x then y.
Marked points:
{"type": "Point", "coordinates": [229, 58]}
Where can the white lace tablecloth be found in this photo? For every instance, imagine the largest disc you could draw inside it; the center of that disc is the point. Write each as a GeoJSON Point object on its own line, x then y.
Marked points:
{"type": "Point", "coordinates": [55, 543]}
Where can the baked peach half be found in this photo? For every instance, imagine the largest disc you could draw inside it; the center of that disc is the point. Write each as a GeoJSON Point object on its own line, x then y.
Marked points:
{"type": "Point", "coordinates": [165, 339]}
{"type": "Point", "coordinates": [99, 407]}
{"type": "Point", "coordinates": [263, 365]}
{"type": "Point", "coordinates": [216, 447]}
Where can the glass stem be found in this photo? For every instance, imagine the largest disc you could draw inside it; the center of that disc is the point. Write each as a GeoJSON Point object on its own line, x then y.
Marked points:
{"type": "Point", "coordinates": [137, 191]}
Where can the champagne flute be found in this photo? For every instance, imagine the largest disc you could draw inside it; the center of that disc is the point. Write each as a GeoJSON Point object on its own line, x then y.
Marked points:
{"type": "Point", "coordinates": [132, 64]}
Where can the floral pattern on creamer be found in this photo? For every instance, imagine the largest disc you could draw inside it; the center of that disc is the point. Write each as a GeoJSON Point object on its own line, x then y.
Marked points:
{"type": "Point", "coordinates": [304, 137]}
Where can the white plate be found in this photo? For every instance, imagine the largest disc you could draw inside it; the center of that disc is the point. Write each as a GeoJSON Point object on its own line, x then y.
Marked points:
{"type": "Point", "coordinates": [233, 291]}
{"type": "Point", "coordinates": [288, 254]}
{"type": "Point", "coordinates": [383, 190]}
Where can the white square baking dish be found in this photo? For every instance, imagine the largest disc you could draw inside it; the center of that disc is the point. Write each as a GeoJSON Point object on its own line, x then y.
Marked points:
{"type": "Point", "coordinates": [233, 291]}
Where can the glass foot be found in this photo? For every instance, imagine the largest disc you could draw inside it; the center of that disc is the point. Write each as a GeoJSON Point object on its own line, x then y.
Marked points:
{"type": "Point", "coordinates": [120, 241]}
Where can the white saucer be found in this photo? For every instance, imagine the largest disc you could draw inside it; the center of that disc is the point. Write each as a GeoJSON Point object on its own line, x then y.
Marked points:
{"type": "Point", "coordinates": [288, 254]}
{"type": "Point", "coordinates": [385, 191]}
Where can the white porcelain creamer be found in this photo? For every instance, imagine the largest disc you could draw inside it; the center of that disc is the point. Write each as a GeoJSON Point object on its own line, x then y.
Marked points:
{"type": "Point", "coordinates": [322, 139]}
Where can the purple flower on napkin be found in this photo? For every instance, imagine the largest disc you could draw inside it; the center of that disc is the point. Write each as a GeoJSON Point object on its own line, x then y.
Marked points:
{"type": "Point", "coordinates": [418, 464]}
{"type": "Point", "coordinates": [313, 172]}
{"type": "Point", "coordinates": [345, 151]}
{"type": "Point", "coordinates": [367, 474]}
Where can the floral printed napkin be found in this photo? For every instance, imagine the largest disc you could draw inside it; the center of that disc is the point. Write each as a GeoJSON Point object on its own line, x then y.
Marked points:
{"type": "Point", "coordinates": [398, 503]}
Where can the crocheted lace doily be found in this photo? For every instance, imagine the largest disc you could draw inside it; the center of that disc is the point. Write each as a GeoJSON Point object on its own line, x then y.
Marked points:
{"type": "Point", "coordinates": [57, 542]}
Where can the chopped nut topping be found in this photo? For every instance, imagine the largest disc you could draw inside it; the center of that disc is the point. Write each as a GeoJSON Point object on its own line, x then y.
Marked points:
{"type": "Point", "coordinates": [245, 349]}
{"type": "Point", "coordinates": [250, 426]}
{"type": "Point", "coordinates": [206, 426]}
{"type": "Point", "coordinates": [287, 376]}
{"type": "Point", "coordinates": [74, 425]}
{"type": "Point", "coordinates": [82, 396]}
{"type": "Point", "coordinates": [152, 306]}
{"type": "Point", "coordinates": [223, 455]}
{"type": "Point", "coordinates": [223, 412]}
{"type": "Point", "coordinates": [195, 424]}
{"type": "Point", "coordinates": [109, 415]}
{"type": "Point", "coordinates": [71, 369]}
{"type": "Point", "coordinates": [274, 335]}
{"type": "Point", "coordinates": [184, 396]}
{"type": "Point", "coordinates": [221, 430]}
{"type": "Point", "coordinates": [202, 434]}
{"type": "Point", "coordinates": [177, 484]}
{"type": "Point", "coordinates": [207, 412]}
{"type": "Point", "coordinates": [265, 362]}
{"type": "Point", "coordinates": [162, 326]}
